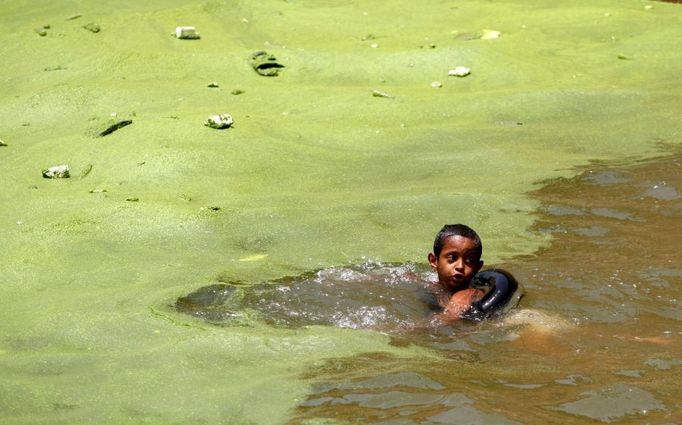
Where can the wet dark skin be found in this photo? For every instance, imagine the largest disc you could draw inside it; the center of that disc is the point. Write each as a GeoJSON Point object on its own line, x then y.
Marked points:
{"type": "Point", "coordinates": [456, 266]}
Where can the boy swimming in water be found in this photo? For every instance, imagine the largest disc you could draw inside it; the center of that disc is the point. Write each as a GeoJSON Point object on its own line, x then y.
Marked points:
{"type": "Point", "coordinates": [456, 257]}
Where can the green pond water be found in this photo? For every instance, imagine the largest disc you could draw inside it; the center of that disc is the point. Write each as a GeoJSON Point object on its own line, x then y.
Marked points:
{"type": "Point", "coordinates": [554, 119]}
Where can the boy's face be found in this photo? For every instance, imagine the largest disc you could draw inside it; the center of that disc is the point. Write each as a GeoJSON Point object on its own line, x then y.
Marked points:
{"type": "Point", "coordinates": [457, 263]}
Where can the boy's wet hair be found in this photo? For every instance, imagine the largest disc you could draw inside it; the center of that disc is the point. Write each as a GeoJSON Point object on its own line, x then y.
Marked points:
{"type": "Point", "coordinates": [456, 230]}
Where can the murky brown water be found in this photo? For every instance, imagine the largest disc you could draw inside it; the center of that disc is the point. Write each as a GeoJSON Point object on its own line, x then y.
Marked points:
{"type": "Point", "coordinates": [606, 340]}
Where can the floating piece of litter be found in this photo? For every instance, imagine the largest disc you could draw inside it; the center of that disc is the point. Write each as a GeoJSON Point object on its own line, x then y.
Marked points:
{"type": "Point", "coordinates": [460, 71]}
{"type": "Point", "coordinates": [72, 17]}
{"type": "Point", "coordinates": [97, 190]}
{"type": "Point", "coordinates": [256, 257]}
{"type": "Point", "coordinates": [237, 92]}
{"type": "Point", "coordinates": [213, 85]}
{"type": "Point", "coordinates": [42, 31]}
{"type": "Point", "coordinates": [187, 33]}
{"type": "Point", "coordinates": [219, 121]}
{"type": "Point", "coordinates": [436, 84]}
{"type": "Point", "coordinates": [132, 199]}
{"type": "Point", "coordinates": [265, 64]}
{"type": "Point", "coordinates": [92, 27]}
{"type": "Point", "coordinates": [489, 34]}
{"type": "Point", "coordinates": [57, 172]}
{"type": "Point", "coordinates": [115, 127]}
{"type": "Point", "coordinates": [214, 209]}
{"type": "Point", "coordinates": [377, 93]}
{"type": "Point", "coordinates": [2, 143]}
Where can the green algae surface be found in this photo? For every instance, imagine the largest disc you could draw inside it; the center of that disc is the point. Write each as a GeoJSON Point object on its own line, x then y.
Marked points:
{"type": "Point", "coordinates": [315, 172]}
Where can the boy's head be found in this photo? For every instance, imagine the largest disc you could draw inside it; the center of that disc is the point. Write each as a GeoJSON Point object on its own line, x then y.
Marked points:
{"type": "Point", "coordinates": [456, 256]}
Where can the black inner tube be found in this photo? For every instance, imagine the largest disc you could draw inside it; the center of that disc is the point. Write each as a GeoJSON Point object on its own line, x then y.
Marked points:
{"type": "Point", "coordinates": [503, 293]}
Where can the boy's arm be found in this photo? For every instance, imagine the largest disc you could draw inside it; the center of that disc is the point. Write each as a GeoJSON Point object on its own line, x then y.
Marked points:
{"type": "Point", "coordinates": [459, 303]}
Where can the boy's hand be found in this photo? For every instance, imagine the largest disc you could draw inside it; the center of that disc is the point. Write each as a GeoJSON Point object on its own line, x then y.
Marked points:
{"type": "Point", "coordinates": [459, 303]}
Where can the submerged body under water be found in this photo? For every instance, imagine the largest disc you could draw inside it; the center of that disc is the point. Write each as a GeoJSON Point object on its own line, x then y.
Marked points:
{"type": "Point", "coordinates": [385, 297]}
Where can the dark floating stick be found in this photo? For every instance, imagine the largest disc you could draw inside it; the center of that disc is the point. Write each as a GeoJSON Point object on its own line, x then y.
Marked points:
{"type": "Point", "coordinates": [115, 127]}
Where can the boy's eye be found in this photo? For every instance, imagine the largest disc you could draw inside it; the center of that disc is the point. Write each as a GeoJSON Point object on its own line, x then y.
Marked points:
{"type": "Point", "coordinates": [469, 260]}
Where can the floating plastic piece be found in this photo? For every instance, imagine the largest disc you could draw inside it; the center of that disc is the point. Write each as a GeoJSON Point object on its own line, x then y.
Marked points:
{"type": "Point", "coordinates": [219, 121]}
{"type": "Point", "coordinates": [57, 172]}
{"type": "Point", "coordinates": [460, 71]}
{"type": "Point", "coordinates": [187, 33]}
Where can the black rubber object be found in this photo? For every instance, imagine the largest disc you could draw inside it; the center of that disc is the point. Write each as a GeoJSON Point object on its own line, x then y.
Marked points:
{"type": "Point", "coordinates": [502, 288]}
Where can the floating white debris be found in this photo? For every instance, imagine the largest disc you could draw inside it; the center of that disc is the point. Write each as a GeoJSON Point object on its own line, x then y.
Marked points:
{"type": "Point", "coordinates": [459, 71]}
{"type": "Point", "coordinates": [490, 34]}
{"type": "Point", "coordinates": [436, 84]}
{"type": "Point", "coordinates": [57, 172]}
{"type": "Point", "coordinates": [219, 121]}
{"type": "Point", "coordinates": [187, 33]}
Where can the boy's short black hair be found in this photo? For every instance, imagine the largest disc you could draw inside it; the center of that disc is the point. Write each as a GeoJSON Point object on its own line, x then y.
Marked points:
{"type": "Point", "coordinates": [456, 230]}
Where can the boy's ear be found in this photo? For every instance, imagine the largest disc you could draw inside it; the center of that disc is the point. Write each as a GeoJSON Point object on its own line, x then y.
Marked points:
{"type": "Point", "coordinates": [433, 260]}
{"type": "Point", "coordinates": [479, 266]}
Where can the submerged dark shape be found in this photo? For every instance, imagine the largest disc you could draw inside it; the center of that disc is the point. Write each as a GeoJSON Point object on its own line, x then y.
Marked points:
{"type": "Point", "coordinates": [503, 293]}
{"type": "Point", "coordinates": [367, 296]}
{"type": "Point", "coordinates": [115, 127]}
